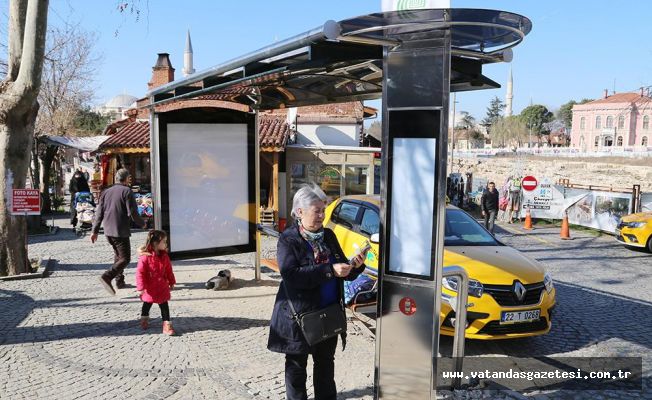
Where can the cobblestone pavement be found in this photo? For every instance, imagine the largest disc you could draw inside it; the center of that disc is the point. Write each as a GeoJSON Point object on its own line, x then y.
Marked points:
{"type": "Point", "coordinates": [64, 338]}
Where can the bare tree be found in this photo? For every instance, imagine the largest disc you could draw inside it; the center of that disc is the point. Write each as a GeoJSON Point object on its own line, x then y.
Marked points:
{"type": "Point", "coordinates": [67, 87]}
{"type": "Point", "coordinates": [18, 110]}
{"type": "Point", "coordinates": [509, 131]}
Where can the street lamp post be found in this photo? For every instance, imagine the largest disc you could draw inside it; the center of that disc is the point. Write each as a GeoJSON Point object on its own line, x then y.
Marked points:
{"type": "Point", "coordinates": [453, 136]}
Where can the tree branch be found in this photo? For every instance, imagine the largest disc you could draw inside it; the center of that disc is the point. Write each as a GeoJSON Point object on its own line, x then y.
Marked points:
{"type": "Point", "coordinates": [31, 62]}
{"type": "Point", "coordinates": [17, 12]}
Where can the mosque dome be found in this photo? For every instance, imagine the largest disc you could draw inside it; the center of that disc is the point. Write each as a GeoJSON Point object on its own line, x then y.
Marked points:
{"type": "Point", "coordinates": [121, 101]}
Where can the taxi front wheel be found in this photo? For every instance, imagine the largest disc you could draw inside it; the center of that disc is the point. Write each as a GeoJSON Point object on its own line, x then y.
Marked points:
{"type": "Point", "coordinates": [649, 244]}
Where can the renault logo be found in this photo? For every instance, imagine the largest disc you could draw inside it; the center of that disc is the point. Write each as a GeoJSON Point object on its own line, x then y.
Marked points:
{"type": "Point", "coordinates": [519, 291]}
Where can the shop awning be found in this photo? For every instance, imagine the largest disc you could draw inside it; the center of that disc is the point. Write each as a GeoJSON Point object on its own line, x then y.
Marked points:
{"type": "Point", "coordinates": [343, 61]}
{"type": "Point", "coordinates": [90, 143]}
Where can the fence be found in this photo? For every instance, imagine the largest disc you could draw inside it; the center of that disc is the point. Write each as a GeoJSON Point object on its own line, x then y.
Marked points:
{"type": "Point", "coordinates": [558, 152]}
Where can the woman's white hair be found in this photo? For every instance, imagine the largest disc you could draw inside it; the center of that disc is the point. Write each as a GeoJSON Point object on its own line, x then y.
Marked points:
{"type": "Point", "coordinates": [306, 196]}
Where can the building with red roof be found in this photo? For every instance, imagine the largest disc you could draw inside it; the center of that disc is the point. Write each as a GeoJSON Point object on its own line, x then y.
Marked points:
{"type": "Point", "coordinates": [620, 120]}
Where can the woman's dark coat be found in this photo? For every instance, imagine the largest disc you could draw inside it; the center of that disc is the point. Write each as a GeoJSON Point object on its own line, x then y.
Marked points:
{"type": "Point", "coordinates": [302, 278]}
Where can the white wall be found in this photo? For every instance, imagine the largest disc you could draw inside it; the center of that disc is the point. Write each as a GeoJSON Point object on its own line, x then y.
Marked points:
{"type": "Point", "coordinates": [328, 135]}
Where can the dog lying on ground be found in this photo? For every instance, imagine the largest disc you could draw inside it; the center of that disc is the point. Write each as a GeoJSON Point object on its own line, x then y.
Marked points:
{"type": "Point", "coordinates": [220, 281]}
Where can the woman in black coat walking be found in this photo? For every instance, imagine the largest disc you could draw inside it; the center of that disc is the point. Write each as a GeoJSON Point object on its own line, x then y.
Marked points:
{"type": "Point", "coordinates": [313, 267]}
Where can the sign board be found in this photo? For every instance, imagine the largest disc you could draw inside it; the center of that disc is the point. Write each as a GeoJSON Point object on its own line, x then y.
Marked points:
{"type": "Point", "coordinates": [600, 210]}
{"type": "Point", "coordinates": [529, 183]}
{"type": "Point", "coordinates": [401, 5]}
{"type": "Point", "coordinates": [25, 202]}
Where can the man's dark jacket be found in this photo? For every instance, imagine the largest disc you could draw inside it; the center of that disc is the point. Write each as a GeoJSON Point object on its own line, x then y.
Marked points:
{"type": "Point", "coordinates": [116, 209]}
{"type": "Point", "coordinates": [78, 184]}
{"type": "Point", "coordinates": [489, 201]}
{"type": "Point", "coordinates": [303, 279]}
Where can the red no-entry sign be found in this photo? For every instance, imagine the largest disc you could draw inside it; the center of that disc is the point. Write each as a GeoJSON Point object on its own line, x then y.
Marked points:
{"type": "Point", "coordinates": [529, 183]}
{"type": "Point", "coordinates": [25, 202]}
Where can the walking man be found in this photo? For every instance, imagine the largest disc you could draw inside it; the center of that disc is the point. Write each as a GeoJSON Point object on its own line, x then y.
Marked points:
{"type": "Point", "coordinates": [489, 205]}
{"type": "Point", "coordinates": [117, 208]}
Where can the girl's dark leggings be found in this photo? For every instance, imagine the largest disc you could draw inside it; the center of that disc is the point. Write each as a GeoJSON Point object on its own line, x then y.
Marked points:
{"type": "Point", "coordinates": [165, 310]}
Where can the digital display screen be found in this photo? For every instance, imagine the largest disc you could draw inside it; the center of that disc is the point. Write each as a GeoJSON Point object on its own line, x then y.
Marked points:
{"type": "Point", "coordinates": [412, 202]}
{"type": "Point", "coordinates": [207, 186]}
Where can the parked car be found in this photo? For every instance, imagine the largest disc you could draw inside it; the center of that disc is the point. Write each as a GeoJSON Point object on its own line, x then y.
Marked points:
{"type": "Point", "coordinates": [512, 296]}
{"type": "Point", "coordinates": [635, 230]}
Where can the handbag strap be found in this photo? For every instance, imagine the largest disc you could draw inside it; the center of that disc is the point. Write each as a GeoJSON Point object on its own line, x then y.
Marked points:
{"type": "Point", "coordinates": [287, 294]}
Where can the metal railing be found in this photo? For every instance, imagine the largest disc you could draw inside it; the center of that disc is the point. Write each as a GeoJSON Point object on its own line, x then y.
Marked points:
{"type": "Point", "coordinates": [459, 307]}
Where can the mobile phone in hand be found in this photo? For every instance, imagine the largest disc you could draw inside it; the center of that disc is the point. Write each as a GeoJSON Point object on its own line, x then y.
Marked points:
{"type": "Point", "coordinates": [365, 248]}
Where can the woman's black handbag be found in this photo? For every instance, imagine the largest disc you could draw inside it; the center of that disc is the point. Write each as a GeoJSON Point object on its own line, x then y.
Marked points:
{"type": "Point", "coordinates": [321, 324]}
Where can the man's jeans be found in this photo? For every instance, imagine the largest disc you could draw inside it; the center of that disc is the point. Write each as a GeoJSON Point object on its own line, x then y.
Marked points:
{"type": "Point", "coordinates": [489, 220]}
{"type": "Point", "coordinates": [122, 250]}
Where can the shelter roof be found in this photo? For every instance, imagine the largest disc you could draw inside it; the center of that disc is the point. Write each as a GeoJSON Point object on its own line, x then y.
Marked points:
{"type": "Point", "coordinates": [343, 61]}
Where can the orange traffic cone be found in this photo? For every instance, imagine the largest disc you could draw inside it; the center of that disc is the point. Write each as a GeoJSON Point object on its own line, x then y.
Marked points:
{"type": "Point", "coordinates": [565, 230]}
{"type": "Point", "coordinates": [528, 220]}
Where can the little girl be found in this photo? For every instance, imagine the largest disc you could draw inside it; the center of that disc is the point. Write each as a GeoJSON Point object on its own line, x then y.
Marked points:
{"type": "Point", "coordinates": [155, 279]}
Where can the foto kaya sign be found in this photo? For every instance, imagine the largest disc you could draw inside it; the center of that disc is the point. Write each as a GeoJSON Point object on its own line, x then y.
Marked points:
{"type": "Point", "coordinates": [25, 202]}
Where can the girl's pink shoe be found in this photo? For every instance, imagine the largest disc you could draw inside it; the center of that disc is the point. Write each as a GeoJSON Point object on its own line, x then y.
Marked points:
{"type": "Point", "coordinates": [167, 328]}
{"type": "Point", "coordinates": [144, 322]}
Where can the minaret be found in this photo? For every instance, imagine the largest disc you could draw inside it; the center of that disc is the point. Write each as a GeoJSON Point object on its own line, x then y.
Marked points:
{"type": "Point", "coordinates": [187, 57]}
{"type": "Point", "coordinates": [510, 94]}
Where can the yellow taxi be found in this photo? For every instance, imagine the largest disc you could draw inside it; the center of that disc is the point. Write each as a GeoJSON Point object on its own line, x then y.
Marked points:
{"type": "Point", "coordinates": [636, 230]}
{"type": "Point", "coordinates": [511, 295]}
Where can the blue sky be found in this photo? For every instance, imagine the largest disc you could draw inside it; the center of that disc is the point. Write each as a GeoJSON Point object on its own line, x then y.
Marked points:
{"type": "Point", "coordinates": [575, 50]}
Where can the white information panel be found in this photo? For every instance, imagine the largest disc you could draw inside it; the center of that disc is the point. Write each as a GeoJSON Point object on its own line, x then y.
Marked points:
{"type": "Point", "coordinates": [207, 185]}
{"type": "Point", "coordinates": [412, 193]}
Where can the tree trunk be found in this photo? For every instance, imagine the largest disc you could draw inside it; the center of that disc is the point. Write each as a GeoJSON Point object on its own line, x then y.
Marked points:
{"type": "Point", "coordinates": [15, 146]}
{"type": "Point", "coordinates": [45, 168]}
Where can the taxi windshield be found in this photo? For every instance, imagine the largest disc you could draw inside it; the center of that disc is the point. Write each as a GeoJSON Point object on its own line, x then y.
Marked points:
{"type": "Point", "coordinates": [462, 230]}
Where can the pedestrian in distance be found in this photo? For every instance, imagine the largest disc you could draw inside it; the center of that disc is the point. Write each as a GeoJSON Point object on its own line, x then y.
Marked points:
{"type": "Point", "coordinates": [115, 211]}
{"type": "Point", "coordinates": [313, 269]}
{"type": "Point", "coordinates": [155, 279]}
{"type": "Point", "coordinates": [78, 183]}
{"type": "Point", "coordinates": [489, 206]}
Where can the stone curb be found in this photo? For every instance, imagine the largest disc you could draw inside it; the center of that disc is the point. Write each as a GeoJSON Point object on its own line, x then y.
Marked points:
{"type": "Point", "coordinates": [47, 263]}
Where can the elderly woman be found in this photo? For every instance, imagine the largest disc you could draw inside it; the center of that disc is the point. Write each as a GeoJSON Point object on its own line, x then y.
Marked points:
{"type": "Point", "coordinates": [313, 268]}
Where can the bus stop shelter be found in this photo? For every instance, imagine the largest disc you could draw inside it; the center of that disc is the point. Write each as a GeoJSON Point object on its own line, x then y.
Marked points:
{"type": "Point", "coordinates": [413, 60]}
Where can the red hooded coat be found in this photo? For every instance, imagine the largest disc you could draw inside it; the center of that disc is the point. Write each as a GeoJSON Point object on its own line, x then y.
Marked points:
{"type": "Point", "coordinates": [154, 277]}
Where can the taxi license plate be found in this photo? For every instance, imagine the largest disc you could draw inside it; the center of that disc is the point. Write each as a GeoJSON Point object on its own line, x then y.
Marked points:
{"type": "Point", "coordinates": [512, 317]}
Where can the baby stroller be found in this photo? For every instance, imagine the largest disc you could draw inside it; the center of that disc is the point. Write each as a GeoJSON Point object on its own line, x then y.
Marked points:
{"type": "Point", "coordinates": [85, 207]}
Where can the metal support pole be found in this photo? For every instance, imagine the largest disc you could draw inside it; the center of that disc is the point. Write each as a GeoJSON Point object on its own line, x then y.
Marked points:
{"type": "Point", "coordinates": [453, 141]}
{"type": "Point", "coordinates": [257, 273]}
{"type": "Point", "coordinates": [460, 316]}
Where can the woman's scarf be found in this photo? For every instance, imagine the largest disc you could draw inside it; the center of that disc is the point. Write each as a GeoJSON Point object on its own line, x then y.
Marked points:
{"type": "Point", "coordinates": [316, 240]}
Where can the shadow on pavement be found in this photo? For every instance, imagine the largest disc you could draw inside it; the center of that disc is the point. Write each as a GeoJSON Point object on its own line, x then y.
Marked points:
{"type": "Point", "coordinates": [183, 325]}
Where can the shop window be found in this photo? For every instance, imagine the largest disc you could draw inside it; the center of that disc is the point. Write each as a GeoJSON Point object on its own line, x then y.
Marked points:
{"type": "Point", "coordinates": [610, 122]}
{"type": "Point", "coordinates": [355, 181]}
{"type": "Point", "coordinates": [619, 142]}
{"type": "Point", "coordinates": [582, 123]}
{"type": "Point", "coordinates": [621, 122]}
{"type": "Point", "coordinates": [329, 180]}
{"type": "Point", "coordinates": [644, 141]}
{"type": "Point", "coordinates": [598, 123]}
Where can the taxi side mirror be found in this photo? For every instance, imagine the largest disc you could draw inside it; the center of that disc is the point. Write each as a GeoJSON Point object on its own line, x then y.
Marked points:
{"type": "Point", "coordinates": [375, 238]}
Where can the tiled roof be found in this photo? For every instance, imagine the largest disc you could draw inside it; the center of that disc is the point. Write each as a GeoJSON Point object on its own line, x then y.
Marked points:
{"type": "Point", "coordinates": [132, 134]}
{"type": "Point", "coordinates": [273, 132]}
{"type": "Point", "coordinates": [621, 98]}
